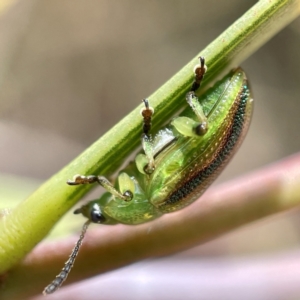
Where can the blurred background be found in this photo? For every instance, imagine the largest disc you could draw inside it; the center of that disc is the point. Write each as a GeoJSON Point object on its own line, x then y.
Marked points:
{"type": "Point", "coordinates": [69, 70]}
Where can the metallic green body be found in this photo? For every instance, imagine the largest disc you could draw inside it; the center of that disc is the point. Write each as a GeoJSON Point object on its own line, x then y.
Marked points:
{"type": "Point", "coordinates": [186, 165]}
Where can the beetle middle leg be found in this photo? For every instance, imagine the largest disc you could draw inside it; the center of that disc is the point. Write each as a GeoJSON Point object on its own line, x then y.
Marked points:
{"type": "Point", "coordinates": [147, 144]}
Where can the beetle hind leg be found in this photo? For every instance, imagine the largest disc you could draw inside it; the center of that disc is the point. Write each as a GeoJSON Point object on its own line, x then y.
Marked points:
{"type": "Point", "coordinates": [202, 126]}
{"type": "Point", "coordinates": [187, 126]}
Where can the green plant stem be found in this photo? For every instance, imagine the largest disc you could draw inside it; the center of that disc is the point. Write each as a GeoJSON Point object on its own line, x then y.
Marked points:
{"type": "Point", "coordinates": [31, 221]}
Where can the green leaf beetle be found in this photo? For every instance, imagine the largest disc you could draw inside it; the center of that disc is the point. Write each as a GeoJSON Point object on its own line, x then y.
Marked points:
{"type": "Point", "coordinates": [177, 164]}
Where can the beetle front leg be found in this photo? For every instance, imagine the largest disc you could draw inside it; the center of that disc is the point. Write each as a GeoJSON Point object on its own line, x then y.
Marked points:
{"type": "Point", "coordinates": [127, 195]}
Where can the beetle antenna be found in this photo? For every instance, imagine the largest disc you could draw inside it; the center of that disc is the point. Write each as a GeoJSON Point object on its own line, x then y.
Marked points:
{"type": "Point", "coordinates": [62, 276]}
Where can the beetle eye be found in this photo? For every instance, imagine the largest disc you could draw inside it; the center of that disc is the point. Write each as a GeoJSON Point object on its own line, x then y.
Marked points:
{"type": "Point", "coordinates": [96, 215]}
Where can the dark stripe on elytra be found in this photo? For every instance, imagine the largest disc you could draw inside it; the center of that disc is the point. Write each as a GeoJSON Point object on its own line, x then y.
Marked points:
{"type": "Point", "coordinates": [224, 153]}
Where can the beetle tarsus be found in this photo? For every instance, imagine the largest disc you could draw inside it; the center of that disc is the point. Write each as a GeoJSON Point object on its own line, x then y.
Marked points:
{"type": "Point", "coordinates": [147, 113]}
{"type": "Point", "coordinates": [199, 72]}
{"type": "Point", "coordinates": [81, 179]}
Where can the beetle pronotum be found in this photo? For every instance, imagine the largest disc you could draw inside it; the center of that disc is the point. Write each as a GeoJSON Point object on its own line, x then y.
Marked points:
{"type": "Point", "coordinates": [177, 164]}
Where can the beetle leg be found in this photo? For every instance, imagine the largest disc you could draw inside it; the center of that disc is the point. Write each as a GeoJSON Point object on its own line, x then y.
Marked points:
{"type": "Point", "coordinates": [80, 179]}
{"type": "Point", "coordinates": [147, 144]}
{"type": "Point", "coordinates": [199, 71]}
{"type": "Point", "coordinates": [148, 149]}
{"type": "Point", "coordinates": [147, 113]}
{"type": "Point", "coordinates": [192, 99]}
{"type": "Point", "coordinates": [193, 102]}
